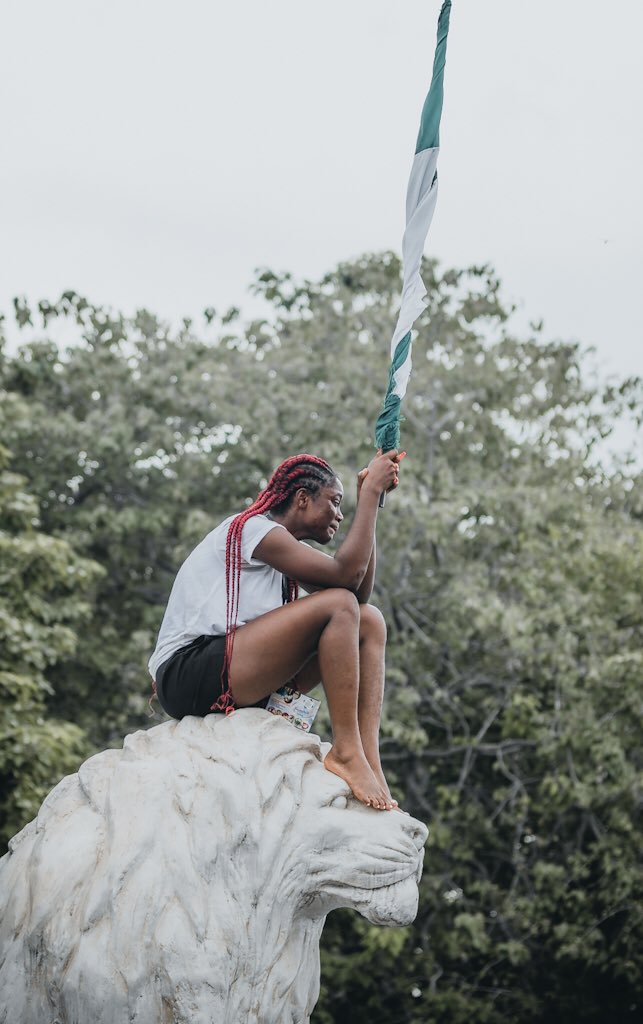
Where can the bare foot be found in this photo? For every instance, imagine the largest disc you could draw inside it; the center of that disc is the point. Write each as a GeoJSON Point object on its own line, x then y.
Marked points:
{"type": "Point", "coordinates": [376, 768]}
{"type": "Point", "coordinates": [379, 775]}
{"type": "Point", "coordinates": [356, 771]}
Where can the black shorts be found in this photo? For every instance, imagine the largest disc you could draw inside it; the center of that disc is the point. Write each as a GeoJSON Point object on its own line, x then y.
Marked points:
{"type": "Point", "coordinates": [190, 681]}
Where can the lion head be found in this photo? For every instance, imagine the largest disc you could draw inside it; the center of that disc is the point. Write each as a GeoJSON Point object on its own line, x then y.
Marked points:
{"type": "Point", "coordinates": [186, 878]}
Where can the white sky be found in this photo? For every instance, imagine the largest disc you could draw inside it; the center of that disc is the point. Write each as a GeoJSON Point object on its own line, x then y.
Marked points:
{"type": "Point", "coordinates": [154, 153]}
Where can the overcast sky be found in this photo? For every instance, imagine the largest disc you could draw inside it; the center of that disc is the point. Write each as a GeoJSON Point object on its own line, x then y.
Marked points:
{"type": "Point", "coordinates": [154, 153]}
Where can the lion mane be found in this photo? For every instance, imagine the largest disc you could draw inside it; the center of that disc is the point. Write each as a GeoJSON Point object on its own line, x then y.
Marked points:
{"type": "Point", "coordinates": [187, 877]}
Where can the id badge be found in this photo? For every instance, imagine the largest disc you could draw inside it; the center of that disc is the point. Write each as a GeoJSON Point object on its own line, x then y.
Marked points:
{"type": "Point", "coordinates": [295, 707]}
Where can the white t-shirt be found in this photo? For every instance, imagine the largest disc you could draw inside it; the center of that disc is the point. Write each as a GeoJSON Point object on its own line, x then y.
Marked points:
{"type": "Point", "coordinates": [197, 604]}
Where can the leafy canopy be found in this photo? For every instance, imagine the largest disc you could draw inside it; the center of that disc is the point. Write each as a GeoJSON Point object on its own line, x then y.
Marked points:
{"type": "Point", "coordinates": [509, 570]}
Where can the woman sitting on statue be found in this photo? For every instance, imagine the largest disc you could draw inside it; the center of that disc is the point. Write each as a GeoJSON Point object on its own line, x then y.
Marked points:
{"type": "Point", "coordinates": [233, 632]}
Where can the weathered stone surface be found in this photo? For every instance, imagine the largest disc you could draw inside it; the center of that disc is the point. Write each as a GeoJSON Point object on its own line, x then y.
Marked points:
{"type": "Point", "coordinates": [185, 879]}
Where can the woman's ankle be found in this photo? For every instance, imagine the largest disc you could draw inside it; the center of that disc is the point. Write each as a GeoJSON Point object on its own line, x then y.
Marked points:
{"type": "Point", "coordinates": [347, 749]}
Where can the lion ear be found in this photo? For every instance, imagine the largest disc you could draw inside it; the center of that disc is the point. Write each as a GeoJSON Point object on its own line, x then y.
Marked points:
{"type": "Point", "coordinates": [279, 805]}
{"type": "Point", "coordinates": [281, 781]}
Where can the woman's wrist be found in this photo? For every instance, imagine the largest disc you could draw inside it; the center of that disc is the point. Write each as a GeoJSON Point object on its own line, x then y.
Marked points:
{"type": "Point", "coordinates": [368, 488]}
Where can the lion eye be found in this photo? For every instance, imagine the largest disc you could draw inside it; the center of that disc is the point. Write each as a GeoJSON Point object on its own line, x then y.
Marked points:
{"type": "Point", "coordinates": [339, 801]}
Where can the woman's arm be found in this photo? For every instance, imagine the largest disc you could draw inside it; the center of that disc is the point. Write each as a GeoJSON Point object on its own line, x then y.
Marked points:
{"type": "Point", "coordinates": [350, 564]}
{"type": "Point", "coordinates": [365, 588]}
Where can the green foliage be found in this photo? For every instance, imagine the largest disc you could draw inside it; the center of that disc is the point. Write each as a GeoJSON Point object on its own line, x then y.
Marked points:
{"type": "Point", "coordinates": [510, 572]}
{"type": "Point", "coordinates": [43, 586]}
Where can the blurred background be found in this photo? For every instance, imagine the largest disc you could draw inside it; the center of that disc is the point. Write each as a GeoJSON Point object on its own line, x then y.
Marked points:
{"type": "Point", "coordinates": [201, 218]}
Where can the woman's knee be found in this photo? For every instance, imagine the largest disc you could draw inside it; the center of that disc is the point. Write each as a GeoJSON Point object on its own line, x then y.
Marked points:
{"type": "Point", "coordinates": [341, 600]}
{"type": "Point", "coordinates": [372, 623]}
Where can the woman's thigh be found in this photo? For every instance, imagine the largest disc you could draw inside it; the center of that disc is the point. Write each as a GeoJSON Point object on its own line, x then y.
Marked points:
{"type": "Point", "coordinates": [269, 651]}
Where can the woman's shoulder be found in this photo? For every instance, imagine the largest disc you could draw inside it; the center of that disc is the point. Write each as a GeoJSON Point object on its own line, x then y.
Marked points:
{"type": "Point", "coordinates": [254, 530]}
{"type": "Point", "coordinates": [257, 523]}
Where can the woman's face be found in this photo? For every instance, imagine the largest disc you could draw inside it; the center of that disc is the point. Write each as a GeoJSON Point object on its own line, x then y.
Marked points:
{"type": "Point", "coordinates": [324, 514]}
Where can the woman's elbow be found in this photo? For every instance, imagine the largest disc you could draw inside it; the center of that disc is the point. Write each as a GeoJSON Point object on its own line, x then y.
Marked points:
{"type": "Point", "coordinates": [352, 582]}
{"type": "Point", "coordinates": [348, 578]}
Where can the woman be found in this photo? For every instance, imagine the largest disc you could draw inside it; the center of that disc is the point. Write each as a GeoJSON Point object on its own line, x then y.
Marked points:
{"type": "Point", "coordinates": [232, 631]}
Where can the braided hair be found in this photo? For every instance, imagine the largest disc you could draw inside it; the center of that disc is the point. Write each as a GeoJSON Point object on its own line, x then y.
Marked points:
{"type": "Point", "coordinates": [299, 471]}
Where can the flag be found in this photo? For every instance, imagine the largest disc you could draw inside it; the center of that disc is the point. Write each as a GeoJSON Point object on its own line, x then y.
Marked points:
{"type": "Point", "coordinates": [421, 197]}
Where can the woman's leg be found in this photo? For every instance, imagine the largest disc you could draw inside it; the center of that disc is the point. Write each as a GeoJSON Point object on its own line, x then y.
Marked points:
{"type": "Point", "coordinates": [269, 651]}
{"type": "Point", "coordinates": [372, 647]}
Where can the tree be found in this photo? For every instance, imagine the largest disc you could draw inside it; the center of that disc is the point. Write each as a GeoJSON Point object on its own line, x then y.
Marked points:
{"type": "Point", "coordinates": [131, 470]}
{"type": "Point", "coordinates": [44, 584]}
{"type": "Point", "coordinates": [510, 568]}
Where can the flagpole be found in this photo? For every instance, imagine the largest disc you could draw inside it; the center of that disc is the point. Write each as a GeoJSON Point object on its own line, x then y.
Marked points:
{"type": "Point", "coordinates": [421, 198]}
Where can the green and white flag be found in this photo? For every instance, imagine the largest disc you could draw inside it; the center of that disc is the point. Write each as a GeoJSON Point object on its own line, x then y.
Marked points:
{"type": "Point", "coordinates": [421, 197]}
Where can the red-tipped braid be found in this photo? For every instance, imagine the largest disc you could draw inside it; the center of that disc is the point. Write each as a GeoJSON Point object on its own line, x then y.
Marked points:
{"type": "Point", "coordinates": [299, 471]}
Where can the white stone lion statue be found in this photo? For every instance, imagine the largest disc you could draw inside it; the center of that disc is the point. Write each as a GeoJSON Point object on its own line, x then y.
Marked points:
{"type": "Point", "coordinates": [185, 879]}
